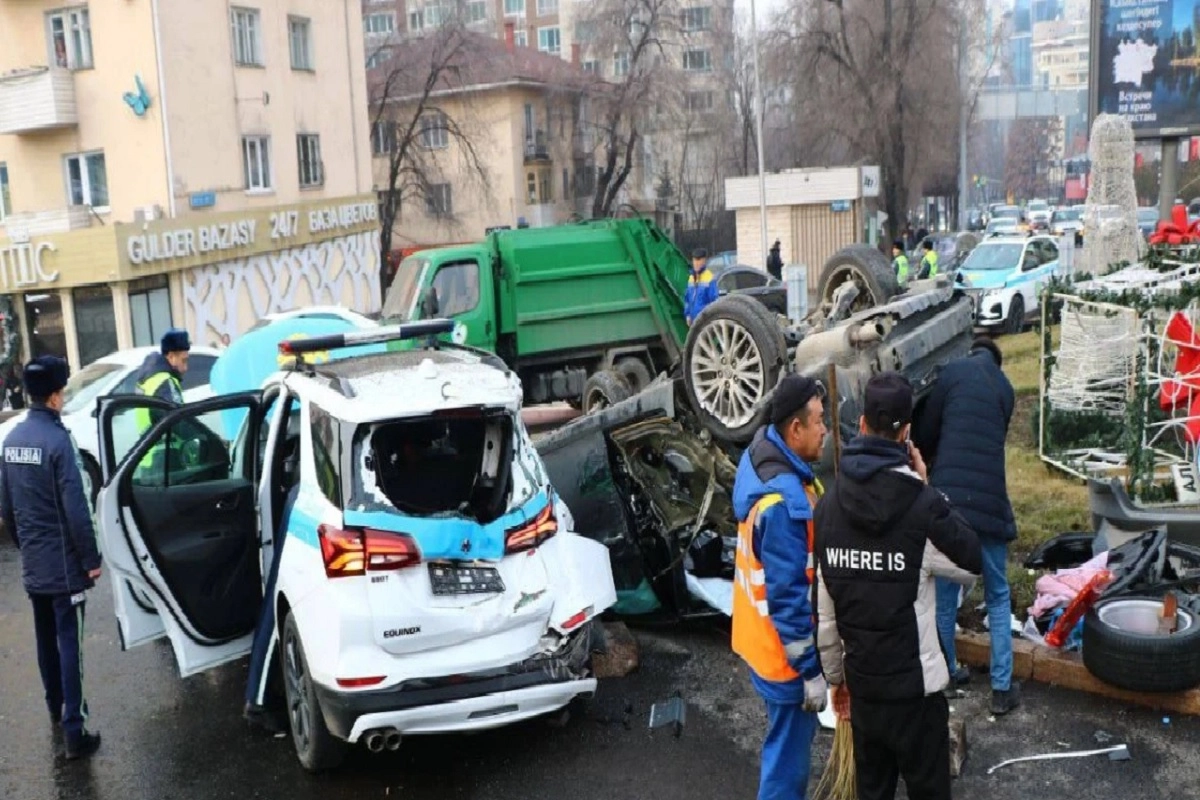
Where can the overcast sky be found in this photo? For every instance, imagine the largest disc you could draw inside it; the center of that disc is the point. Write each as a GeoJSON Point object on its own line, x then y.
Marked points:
{"type": "Point", "coordinates": [763, 7]}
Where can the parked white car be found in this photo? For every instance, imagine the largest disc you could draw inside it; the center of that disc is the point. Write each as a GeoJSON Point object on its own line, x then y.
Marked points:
{"type": "Point", "coordinates": [115, 373]}
{"type": "Point", "coordinates": [430, 582]}
{"type": "Point", "coordinates": [1005, 275]}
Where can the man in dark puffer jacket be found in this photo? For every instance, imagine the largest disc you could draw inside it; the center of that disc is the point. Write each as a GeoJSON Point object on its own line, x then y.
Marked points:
{"type": "Point", "coordinates": [961, 431]}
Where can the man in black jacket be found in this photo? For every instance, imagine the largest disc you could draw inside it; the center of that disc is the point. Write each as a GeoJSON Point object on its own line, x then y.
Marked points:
{"type": "Point", "coordinates": [881, 536]}
{"type": "Point", "coordinates": [962, 431]}
{"type": "Point", "coordinates": [49, 517]}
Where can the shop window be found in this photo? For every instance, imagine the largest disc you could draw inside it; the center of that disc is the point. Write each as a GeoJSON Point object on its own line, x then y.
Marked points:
{"type": "Point", "coordinates": [150, 310]}
{"type": "Point", "coordinates": [5, 195]}
{"type": "Point", "coordinates": [256, 162]}
{"type": "Point", "coordinates": [95, 323]}
{"type": "Point", "coordinates": [70, 33]}
{"type": "Point", "coordinates": [87, 180]}
{"type": "Point", "coordinates": [300, 42]}
{"type": "Point", "coordinates": [308, 151]}
{"type": "Point", "coordinates": [44, 318]}
{"type": "Point", "coordinates": [247, 37]}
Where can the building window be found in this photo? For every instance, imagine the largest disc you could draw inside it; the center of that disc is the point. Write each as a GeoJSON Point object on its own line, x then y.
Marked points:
{"type": "Point", "coordinates": [620, 65]}
{"type": "Point", "coordinates": [95, 323]}
{"type": "Point", "coordinates": [5, 194]}
{"type": "Point", "coordinates": [379, 23]}
{"type": "Point", "coordinates": [416, 20]}
{"type": "Point", "coordinates": [256, 163]}
{"type": "Point", "coordinates": [44, 318]}
{"type": "Point", "coordinates": [383, 137]}
{"type": "Point", "coordinates": [300, 41]}
{"type": "Point", "coordinates": [697, 61]}
{"type": "Point", "coordinates": [476, 10]}
{"type": "Point", "coordinates": [547, 7]}
{"type": "Point", "coordinates": [438, 200]}
{"type": "Point", "coordinates": [247, 37]}
{"type": "Point", "coordinates": [699, 101]}
{"type": "Point", "coordinates": [149, 309]}
{"type": "Point", "coordinates": [591, 67]}
{"type": "Point", "coordinates": [697, 18]}
{"type": "Point", "coordinates": [546, 187]}
{"type": "Point", "coordinates": [435, 132]}
{"type": "Point", "coordinates": [71, 38]}
{"type": "Point", "coordinates": [308, 153]}
{"type": "Point", "coordinates": [87, 180]}
{"type": "Point", "coordinates": [521, 38]}
{"type": "Point", "coordinates": [549, 40]}
{"type": "Point", "coordinates": [514, 8]}
{"type": "Point", "coordinates": [379, 58]}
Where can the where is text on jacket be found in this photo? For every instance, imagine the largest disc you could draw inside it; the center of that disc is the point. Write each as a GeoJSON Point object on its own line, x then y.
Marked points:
{"type": "Point", "coordinates": [961, 430]}
{"type": "Point", "coordinates": [167, 390]}
{"type": "Point", "coordinates": [881, 533]}
{"type": "Point", "coordinates": [780, 543]}
{"type": "Point", "coordinates": [52, 522]}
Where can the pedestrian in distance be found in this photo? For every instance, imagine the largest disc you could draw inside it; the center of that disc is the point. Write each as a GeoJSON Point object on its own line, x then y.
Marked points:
{"type": "Point", "coordinates": [929, 260]}
{"type": "Point", "coordinates": [701, 288]}
{"type": "Point", "coordinates": [775, 262]}
{"type": "Point", "coordinates": [963, 429]}
{"type": "Point", "coordinates": [882, 534]}
{"type": "Point", "coordinates": [774, 494]}
{"type": "Point", "coordinates": [900, 262]}
{"type": "Point", "coordinates": [49, 517]}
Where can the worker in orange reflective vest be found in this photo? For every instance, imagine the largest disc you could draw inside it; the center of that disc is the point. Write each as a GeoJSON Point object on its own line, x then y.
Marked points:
{"type": "Point", "coordinates": [773, 623]}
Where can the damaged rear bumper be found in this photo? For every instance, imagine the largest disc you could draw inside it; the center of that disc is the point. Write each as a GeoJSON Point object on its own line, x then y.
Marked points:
{"type": "Point", "coordinates": [472, 701]}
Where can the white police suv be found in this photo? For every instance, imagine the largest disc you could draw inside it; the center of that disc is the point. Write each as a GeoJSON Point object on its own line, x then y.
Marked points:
{"type": "Point", "coordinates": [1005, 275]}
{"type": "Point", "coordinates": [428, 580]}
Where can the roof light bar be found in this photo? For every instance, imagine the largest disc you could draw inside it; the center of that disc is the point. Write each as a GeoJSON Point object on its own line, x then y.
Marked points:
{"type": "Point", "coordinates": [387, 333]}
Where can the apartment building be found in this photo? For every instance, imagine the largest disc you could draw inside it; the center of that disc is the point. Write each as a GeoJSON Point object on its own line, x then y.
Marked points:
{"type": "Point", "coordinates": [174, 162]}
{"type": "Point", "coordinates": [543, 25]}
{"type": "Point", "coordinates": [520, 110]}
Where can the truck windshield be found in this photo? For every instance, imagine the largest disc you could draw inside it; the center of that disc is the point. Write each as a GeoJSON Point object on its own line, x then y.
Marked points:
{"type": "Point", "coordinates": [993, 257]}
{"type": "Point", "coordinates": [401, 302]}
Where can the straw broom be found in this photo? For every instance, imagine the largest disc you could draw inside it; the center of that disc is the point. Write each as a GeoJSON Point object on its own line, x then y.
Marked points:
{"type": "Point", "coordinates": [838, 780]}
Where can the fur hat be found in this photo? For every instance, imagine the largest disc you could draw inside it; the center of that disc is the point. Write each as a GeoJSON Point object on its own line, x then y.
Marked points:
{"type": "Point", "coordinates": [45, 375]}
{"type": "Point", "coordinates": [176, 341]}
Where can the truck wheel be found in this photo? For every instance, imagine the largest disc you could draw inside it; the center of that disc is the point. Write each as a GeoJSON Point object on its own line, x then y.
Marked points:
{"type": "Point", "coordinates": [867, 267]}
{"type": "Point", "coordinates": [733, 358]}
{"type": "Point", "coordinates": [604, 389]}
{"type": "Point", "coordinates": [316, 747]}
{"type": "Point", "coordinates": [635, 373]}
{"type": "Point", "coordinates": [1121, 646]}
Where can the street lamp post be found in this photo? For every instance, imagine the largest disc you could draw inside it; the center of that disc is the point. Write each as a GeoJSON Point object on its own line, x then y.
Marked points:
{"type": "Point", "coordinates": [759, 101]}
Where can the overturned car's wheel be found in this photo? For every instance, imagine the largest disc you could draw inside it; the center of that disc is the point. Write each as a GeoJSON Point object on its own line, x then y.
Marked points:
{"type": "Point", "coordinates": [734, 355]}
{"type": "Point", "coordinates": [604, 389]}
{"type": "Point", "coordinates": [1121, 645]}
{"type": "Point", "coordinates": [316, 747]}
{"type": "Point", "coordinates": [866, 267]}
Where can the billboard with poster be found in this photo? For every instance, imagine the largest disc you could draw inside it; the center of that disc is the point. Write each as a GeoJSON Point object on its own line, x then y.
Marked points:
{"type": "Point", "coordinates": [1145, 64]}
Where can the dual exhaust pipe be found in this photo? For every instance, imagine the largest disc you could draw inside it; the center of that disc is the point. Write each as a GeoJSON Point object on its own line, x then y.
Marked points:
{"type": "Point", "coordinates": [382, 738]}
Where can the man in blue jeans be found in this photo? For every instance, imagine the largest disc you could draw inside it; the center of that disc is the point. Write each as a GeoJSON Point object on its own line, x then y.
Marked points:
{"type": "Point", "coordinates": [961, 430]}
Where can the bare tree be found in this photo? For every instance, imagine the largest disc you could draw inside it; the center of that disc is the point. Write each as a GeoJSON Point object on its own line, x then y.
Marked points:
{"type": "Point", "coordinates": [415, 131]}
{"type": "Point", "coordinates": [1031, 148]}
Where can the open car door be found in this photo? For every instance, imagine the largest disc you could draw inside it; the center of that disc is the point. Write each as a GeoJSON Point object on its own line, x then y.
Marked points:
{"type": "Point", "coordinates": [178, 523]}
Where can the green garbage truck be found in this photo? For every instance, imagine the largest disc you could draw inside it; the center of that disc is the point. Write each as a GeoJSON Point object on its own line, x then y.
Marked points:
{"type": "Point", "coordinates": [587, 312]}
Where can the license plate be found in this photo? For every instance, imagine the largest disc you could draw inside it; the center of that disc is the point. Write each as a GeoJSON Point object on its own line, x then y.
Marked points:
{"type": "Point", "coordinates": [452, 579]}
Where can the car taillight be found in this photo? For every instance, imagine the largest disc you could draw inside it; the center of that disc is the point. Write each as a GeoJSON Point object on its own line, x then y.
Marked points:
{"type": "Point", "coordinates": [531, 534]}
{"type": "Point", "coordinates": [347, 553]}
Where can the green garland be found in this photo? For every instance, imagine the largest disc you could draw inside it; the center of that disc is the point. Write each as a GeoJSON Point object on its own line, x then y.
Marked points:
{"type": "Point", "coordinates": [1066, 430]}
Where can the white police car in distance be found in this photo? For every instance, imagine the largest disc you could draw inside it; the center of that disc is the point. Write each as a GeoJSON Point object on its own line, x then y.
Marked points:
{"type": "Point", "coordinates": [1005, 275]}
{"type": "Point", "coordinates": [428, 582]}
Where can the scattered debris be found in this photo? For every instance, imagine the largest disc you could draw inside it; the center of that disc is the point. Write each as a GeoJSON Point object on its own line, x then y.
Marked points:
{"type": "Point", "coordinates": [672, 712]}
{"type": "Point", "coordinates": [620, 655]}
{"type": "Point", "coordinates": [958, 746]}
{"type": "Point", "coordinates": [1103, 737]}
{"type": "Point", "coordinates": [1118, 752]}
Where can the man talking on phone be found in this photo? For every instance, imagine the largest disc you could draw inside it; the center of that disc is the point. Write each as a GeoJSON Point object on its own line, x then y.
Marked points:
{"type": "Point", "coordinates": [882, 535]}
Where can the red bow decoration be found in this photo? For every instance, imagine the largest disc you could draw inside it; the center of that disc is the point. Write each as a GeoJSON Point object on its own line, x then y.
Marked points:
{"type": "Point", "coordinates": [1184, 388]}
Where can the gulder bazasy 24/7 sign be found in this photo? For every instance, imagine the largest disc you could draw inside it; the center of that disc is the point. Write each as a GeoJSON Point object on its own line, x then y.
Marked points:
{"type": "Point", "coordinates": [1146, 64]}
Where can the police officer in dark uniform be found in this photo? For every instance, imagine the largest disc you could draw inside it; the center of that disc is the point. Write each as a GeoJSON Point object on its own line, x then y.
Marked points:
{"type": "Point", "coordinates": [48, 514]}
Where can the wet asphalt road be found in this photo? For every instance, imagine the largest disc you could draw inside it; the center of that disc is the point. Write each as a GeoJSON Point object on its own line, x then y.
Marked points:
{"type": "Point", "coordinates": [170, 738]}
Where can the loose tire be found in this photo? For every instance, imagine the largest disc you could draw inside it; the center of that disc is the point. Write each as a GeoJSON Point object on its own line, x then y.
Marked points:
{"type": "Point", "coordinates": [635, 373]}
{"type": "Point", "coordinates": [733, 358]}
{"type": "Point", "coordinates": [604, 389]}
{"type": "Point", "coordinates": [867, 267]}
{"type": "Point", "coordinates": [316, 747]}
{"type": "Point", "coordinates": [1016, 315]}
{"type": "Point", "coordinates": [1121, 648]}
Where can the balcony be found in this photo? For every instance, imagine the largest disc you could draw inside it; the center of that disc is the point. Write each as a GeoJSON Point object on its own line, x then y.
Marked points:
{"type": "Point", "coordinates": [537, 151]}
{"type": "Point", "coordinates": [37, 99]}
